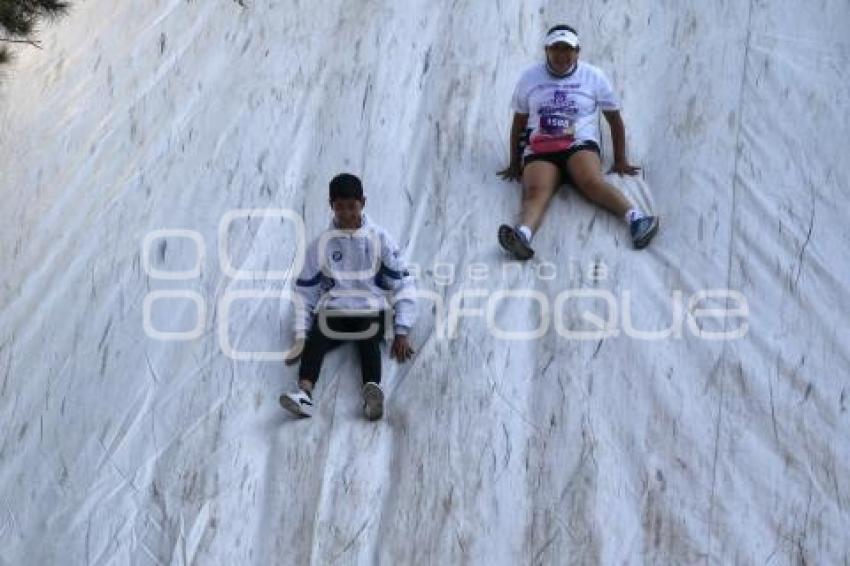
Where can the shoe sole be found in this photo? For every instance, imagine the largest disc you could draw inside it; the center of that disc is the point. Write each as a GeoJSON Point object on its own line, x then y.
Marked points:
{"type": "Point", "coordinates": [292, 406]}
{"type": "Point", "coordinates": [512, 245]}
{"type": "Point", "coordinates": [646, 238]}
{"type": "Point", "coordinates": [373, 399]}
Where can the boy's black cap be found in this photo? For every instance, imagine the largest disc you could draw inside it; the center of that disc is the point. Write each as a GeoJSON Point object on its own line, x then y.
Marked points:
{"type": "Point", "coordinates": [345, 185]}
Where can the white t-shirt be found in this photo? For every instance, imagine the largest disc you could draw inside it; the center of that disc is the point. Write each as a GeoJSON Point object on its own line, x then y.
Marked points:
{"type": "Point", "coordinates": [563, 111]}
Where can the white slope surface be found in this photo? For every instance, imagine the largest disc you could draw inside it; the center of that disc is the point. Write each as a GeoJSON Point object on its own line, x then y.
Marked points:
{"type": "Point", "coordinates": [167, 114]}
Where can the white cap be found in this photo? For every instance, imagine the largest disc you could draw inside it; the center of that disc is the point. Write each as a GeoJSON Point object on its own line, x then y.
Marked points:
{"type": "Point", "coordinates": [562, 36]}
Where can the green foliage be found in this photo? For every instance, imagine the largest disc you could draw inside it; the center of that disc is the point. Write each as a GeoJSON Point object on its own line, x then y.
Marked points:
{"type": "Point", "coordinates": [18, 20]}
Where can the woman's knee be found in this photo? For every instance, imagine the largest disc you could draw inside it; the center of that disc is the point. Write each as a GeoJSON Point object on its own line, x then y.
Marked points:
{"type": "Point", "coordinates": [537, 192]}
{"type": "Point", "coordinates": [591, 186]}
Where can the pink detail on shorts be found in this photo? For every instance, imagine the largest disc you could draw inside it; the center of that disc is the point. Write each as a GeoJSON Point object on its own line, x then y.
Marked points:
{"type": "Point", "coordinates": [541, 143]}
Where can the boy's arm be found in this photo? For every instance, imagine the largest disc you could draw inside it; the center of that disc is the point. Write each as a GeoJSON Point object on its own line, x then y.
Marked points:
{"type": "Point", "coordinates": [394, 276]}
{"type": "Point", "coordinates": [404, 308]}
{"type": "Point", "coordinates": [308, 287]}
{"type": "Point", "coordinates": [404, 315]}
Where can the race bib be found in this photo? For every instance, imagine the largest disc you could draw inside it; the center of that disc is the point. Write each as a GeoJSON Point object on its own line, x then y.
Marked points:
{"type": "Point", "coordinates": [556, 133]}
{"type": "Point", "coordinates": [555, 124]}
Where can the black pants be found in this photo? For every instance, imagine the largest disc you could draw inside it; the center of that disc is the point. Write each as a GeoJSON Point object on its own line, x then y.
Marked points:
{"type": "Point", "coordinates": [318, 343]}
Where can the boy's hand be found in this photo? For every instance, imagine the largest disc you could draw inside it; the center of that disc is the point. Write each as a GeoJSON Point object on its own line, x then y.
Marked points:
{"type": "Point", "coordinates": [401, 349]}
{"type": "Point", "coordinates": [293, 355]}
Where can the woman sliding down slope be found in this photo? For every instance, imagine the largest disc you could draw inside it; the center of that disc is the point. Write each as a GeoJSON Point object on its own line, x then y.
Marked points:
{"type": "Point", "coordinates": [557, 105]}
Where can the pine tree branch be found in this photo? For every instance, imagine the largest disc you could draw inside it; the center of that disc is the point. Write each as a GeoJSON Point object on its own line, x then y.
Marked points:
{"type": "Point", "coordinates": [32, 42]}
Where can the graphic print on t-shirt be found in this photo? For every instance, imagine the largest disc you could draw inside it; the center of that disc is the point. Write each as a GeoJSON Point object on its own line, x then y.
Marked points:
{"type": "Point", "coordinates": [557, 125]}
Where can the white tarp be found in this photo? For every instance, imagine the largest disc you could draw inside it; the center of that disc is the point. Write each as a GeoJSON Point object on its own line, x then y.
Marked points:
{"type": "Point", "coordinates": [121, 447]}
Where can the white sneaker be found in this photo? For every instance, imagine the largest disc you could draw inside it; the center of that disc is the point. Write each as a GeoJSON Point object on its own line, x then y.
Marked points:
{"type": "Point", "coordinates": [373, 401]}
{"type": "Point", "coordinates": [298, 403]}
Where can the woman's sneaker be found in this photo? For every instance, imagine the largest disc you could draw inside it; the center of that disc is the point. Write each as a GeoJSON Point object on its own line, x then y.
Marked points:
{"type": "Point", "coordinates": [643, 230]}
{"type": "Point", "coordinates": [299, 403]}
{"type": "Point", "coordinates": [515, 242]}
{"type": "Point", "coordinates": [373, 401]}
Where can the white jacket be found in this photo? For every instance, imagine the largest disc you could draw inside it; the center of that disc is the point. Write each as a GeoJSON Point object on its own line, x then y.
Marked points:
{"type": "Point", "coordinates": [356, 271]}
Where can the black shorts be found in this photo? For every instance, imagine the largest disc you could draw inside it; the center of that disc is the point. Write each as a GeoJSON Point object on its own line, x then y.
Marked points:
{"type": "Point", "coordinates": [559, 159]}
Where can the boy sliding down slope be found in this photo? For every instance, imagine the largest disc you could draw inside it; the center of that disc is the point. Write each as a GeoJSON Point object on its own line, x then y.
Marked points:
{"type": "Point", "coordinates": [348, 273]}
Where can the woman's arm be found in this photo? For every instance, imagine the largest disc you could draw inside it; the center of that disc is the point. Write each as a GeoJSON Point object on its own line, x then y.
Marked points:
{"type": "Point", "coordinates": [514, 169]}
{"type": "Point", "coordinates": [618, 137]}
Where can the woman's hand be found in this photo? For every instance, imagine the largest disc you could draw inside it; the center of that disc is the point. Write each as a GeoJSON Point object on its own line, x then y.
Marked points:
{"type": "Point", "coordinates": [624, 168]}
{"type": "Point", "coordinates": [512, 172]}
